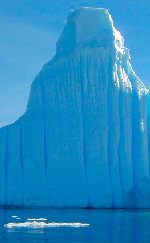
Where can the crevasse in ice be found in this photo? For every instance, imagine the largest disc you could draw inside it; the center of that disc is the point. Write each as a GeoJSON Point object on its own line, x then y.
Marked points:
{"type": "Point", "coordinates": [84, 138]}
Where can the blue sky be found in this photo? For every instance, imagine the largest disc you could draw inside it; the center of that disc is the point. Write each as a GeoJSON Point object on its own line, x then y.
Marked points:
{"type": "Point", "coordinates": [29, 31]}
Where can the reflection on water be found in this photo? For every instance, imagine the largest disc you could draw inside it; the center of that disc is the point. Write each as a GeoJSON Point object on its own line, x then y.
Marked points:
{"type": "Point", "coordinates": [104, 226]}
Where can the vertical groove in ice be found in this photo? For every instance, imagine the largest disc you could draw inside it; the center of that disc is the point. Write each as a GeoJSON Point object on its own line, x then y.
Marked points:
{"type": "Point", "coordinates": [120, 149]}
{"type": "Point", "coordinates": [6, 168]}
{"type": "Point", "coordinates": [22, 163]}
{"type": "Point", "coordinates": [83, 125]}
{"type": "Point", "coordinates": [134, 162]}
{"type": "Point", "coordinates": [135, 147]}
{"type": "Point", "coordinates": [44, 138]}
{"type": "Point", "coordinates": [114, 133]}
{"type": "Point", "coordinates": [110, 135]}
{"type": "Point", "coordinates": [148, 126]}
{"type": "Point", "coordinates": [125, 144]}
{"type": "Point", "coordinates": [3, 143]}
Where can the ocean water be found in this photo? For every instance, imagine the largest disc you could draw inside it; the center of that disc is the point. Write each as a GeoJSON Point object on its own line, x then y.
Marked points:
{"type": "Point", "coordinates": [60, 225]}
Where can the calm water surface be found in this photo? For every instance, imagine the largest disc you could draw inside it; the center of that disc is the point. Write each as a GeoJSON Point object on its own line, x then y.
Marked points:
{"type": "Point", "coordinates": [105, 226]}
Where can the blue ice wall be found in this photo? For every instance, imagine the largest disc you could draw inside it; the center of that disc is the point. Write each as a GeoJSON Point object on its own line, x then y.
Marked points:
{"type": "Point", "coordinates": [84, 140]}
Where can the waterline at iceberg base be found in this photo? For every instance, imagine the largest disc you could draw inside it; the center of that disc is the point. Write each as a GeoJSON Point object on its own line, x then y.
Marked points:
{"type": "Point", "coordinates": [84, 140]}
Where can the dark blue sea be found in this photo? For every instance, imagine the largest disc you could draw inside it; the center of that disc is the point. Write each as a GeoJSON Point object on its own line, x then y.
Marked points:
{"type": "Point", "coordinates": [47, 225]}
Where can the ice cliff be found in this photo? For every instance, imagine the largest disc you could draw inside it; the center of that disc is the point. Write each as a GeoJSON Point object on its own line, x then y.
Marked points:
{"type": "Point", "coordinates": [84, 140]}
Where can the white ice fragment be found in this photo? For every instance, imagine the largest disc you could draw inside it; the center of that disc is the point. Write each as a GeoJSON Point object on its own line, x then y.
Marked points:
{"type": "Point", "coordinates": [36, 224]}
{"type": "Point", "coordinates": [40, 219]}
{"type": "Point", "coordinates": [14, 216]}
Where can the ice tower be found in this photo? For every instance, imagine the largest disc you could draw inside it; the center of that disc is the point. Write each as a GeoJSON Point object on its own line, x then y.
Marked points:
{"type": "Point", "coordinates": [84, 138]}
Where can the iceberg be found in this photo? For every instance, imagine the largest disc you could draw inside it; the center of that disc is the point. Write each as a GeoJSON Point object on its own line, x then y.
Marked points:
{"type": "Point", "coordinates": [84, 140]}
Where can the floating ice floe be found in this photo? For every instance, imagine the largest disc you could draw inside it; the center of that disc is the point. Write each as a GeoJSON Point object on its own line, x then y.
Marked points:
{"type": "Point", "coordinates": [36, 224]}
{"type": "Point", "coordinates": [40, 219]}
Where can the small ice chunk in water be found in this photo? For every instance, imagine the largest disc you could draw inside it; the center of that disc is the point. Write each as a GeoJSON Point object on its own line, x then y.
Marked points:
{"type": "Point", "coordinates": [14, 216]}
{"type": "Point", "coordinates": [36, 224]}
